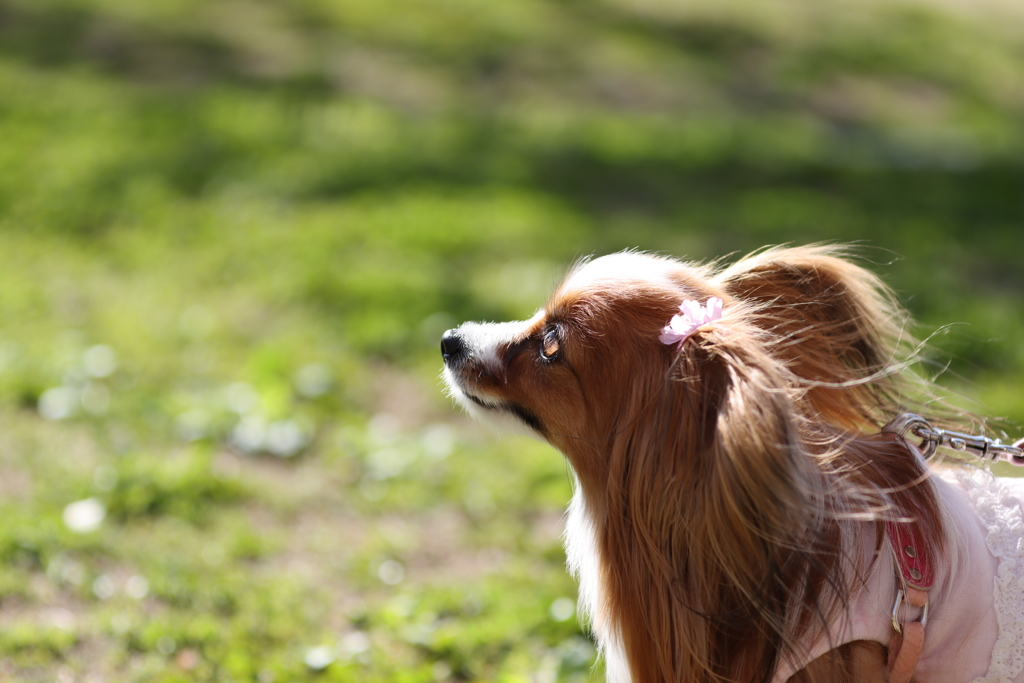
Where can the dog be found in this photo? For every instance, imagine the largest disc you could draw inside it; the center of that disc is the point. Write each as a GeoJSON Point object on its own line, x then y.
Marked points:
{"type": "Point", "coordinates": [753, 499]}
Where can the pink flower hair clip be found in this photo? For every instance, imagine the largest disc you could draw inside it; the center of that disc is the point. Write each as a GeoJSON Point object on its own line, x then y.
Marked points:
{"type": "Point", "coordinates": [691, 316]}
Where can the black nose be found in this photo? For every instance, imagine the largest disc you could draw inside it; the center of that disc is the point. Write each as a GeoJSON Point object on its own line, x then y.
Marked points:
{"type": "Point", "coordinates": [453, 346]}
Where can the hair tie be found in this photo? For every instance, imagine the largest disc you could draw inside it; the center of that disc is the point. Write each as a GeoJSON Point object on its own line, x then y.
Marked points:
{"type": "Point", "coordinates": [691, 316]}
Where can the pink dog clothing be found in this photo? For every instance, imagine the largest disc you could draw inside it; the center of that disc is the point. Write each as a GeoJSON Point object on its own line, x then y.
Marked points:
{"type": "Point", "coordinates": [975, 627]}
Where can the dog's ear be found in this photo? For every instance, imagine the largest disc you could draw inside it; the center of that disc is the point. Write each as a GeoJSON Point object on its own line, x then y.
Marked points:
{"type": "Point", "coordinates": [708, 493]}
{"type": "Point", "coordinates": [836, 325]}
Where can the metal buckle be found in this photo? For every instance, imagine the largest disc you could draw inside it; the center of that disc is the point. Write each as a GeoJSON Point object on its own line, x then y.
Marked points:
{"type": "Point", "coordinates": [896, 608]}
{"type": "Point", "coordinates": [931, 438]}
{"type": "Point", "coordinates": [895, 613]}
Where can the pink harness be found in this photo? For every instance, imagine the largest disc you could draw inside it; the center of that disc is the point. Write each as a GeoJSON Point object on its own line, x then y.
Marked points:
{"type": "Point", "coordinates": [911, 554]}
{"type": "Point", "coordinates": [968, 639]}
{"type": "Point", "coordinates": [914, 563]}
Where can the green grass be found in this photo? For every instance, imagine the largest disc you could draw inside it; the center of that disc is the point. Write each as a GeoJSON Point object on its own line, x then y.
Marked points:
{"type": "Point", "coordinates": [232, 233]}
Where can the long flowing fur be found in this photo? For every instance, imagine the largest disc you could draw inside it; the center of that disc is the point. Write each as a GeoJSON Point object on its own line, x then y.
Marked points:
{"type": "Point", "coordinates": [732, 499]}
{"type": "Point", "coordinates": [724, 487]}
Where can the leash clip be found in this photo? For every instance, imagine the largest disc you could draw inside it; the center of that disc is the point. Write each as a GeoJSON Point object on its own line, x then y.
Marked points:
{"type": "Point", "coordinates": [993, 450]}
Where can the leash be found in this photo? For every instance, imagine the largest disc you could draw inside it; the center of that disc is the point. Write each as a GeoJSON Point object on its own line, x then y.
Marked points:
{"type": "Point", "coordinates": [993, 450]}
{"type": "Point", "coordinates": [910, 553]}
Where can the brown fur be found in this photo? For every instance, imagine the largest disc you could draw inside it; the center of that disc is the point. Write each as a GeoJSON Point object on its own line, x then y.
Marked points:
{"type": "Point", "coordinates": [856, 662]}
{"type": "Point", "coordinates": [727, 481]}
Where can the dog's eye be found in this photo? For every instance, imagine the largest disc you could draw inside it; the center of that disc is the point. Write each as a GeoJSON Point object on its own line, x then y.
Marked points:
{"type": "Point", "coordinates": [550, 344]}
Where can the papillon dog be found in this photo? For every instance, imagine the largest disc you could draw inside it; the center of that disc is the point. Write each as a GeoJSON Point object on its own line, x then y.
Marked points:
{"type": "Point", "coordinates": [741, 511]}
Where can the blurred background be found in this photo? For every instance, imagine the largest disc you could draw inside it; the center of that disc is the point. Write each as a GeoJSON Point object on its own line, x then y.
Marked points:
{"type": "Point", "coordinates": [232, 232]}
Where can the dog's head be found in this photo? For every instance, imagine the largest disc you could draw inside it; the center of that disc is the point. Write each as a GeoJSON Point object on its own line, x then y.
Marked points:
{"type": "Point", "coordinates": [573, 371]}
{"type": "Point", "coordinates": [587, 369]}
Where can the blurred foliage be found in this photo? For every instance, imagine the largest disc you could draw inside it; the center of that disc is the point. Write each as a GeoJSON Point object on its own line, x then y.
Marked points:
{"type": "Point", "coordinates": [232, 232]}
